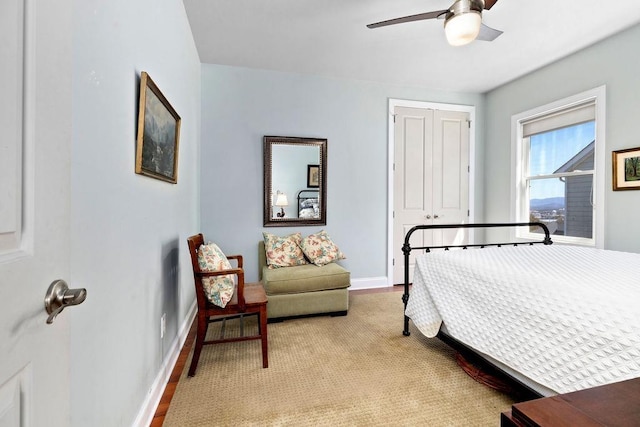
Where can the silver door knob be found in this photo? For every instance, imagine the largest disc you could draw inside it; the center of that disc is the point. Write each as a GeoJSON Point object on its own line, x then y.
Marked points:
{"type": "Point", "coordinates": [436, 216]}
{"type": "Point", "coordinates": [427, 216]}
{"type": "Point", "coordinates": [59, 296]}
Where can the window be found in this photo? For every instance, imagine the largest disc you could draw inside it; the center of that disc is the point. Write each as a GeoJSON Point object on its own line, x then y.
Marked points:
{"type": "Point", "coordinates": [557, 169]}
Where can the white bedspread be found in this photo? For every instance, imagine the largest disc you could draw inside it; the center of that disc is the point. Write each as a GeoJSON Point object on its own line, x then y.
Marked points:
{"type": "Point", "coordinates": [566, 317]}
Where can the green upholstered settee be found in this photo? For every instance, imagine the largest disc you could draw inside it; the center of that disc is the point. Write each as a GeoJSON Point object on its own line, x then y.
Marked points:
{"type": "Point", "coordinates": [304, 289]}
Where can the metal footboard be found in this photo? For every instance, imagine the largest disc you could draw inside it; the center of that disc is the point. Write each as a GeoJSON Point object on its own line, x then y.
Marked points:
{"type": "Point", "coordinates": [406, 248]}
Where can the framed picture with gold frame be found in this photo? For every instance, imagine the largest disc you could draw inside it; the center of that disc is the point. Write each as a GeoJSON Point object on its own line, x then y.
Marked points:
{"type": "Point", "coordinates": [626, 169]}
{"type": "Point", "coordinates": [158, 134]}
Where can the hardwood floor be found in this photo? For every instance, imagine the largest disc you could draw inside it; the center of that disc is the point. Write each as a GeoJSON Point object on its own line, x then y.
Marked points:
{"type": "Point", "coordinates": [167, 395]}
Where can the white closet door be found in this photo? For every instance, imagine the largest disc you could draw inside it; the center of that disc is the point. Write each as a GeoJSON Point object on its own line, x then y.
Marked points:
{"type": "Point", "coordinates": [431, 179]}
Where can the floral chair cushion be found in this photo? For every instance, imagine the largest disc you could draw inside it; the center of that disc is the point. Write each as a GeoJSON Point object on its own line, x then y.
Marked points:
{"type": "Point", "coordinates": [283, 251]}
{"type": "Point", "coordinates": [218, 289]}
{"type": "Point", "coordinates": [320, 249]}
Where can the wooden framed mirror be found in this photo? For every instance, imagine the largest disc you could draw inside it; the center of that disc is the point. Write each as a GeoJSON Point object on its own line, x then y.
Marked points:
{"type": "Point", "coordinates": [295, 181]}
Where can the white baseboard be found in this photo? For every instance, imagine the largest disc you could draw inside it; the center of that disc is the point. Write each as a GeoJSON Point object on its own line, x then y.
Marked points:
{"type": "Point", "coordinates": [148, 410]}
{"type": "Point", "coordinates": [369, 283]}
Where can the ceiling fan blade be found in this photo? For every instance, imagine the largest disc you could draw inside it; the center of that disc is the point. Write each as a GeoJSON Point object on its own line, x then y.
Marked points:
{"type": "Point", "coordinates": [488, 34]}
{"type": "Point", "coordinates": [488, 4]}
{"type": "Point", "coordinates": [418, 17]}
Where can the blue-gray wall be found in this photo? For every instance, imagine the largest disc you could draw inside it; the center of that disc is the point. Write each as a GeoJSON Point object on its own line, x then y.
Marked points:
{"type": "Point", "coordinates": [614, 62]}
{"type": "Point", "coordinates": [240, 106]}
{"type": "Point", "coordinates": [128, 231]}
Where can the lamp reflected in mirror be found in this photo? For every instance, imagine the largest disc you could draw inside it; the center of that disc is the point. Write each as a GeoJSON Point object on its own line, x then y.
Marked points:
{"type": "Point", "coordinates": [281, 202]}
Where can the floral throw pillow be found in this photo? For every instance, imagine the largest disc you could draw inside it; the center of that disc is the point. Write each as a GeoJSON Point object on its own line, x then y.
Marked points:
{"type": "Point", "coordinates": [283, 251]}
{"type": "Point", "coordinates": [218, 289]}
{"type": "Point", "coordinates": [320, 249]}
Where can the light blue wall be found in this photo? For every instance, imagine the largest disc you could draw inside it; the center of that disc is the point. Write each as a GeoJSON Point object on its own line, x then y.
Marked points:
{"type": "Point", "coordinates": [615, 63]}
{"type": "Point", "coordinates": [128, 232]}
{"type": "Point", "coordinates": [240, 106]}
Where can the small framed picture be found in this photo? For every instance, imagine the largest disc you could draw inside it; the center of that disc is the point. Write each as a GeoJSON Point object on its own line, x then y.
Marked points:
{"type": "Point", "coordinates": [626, 169]}
{"type": "Point", "coordinates": [158, 134]}
{"type": "Point", "coordinates": [313, 176]}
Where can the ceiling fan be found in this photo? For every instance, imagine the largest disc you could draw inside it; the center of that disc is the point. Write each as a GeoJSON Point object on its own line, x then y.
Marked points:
{"type": "Point", "coordinates": [462, 21]}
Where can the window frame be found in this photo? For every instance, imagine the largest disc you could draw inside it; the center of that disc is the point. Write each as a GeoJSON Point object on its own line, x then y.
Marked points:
{"type": "Point", "coordinates": [519, 211]}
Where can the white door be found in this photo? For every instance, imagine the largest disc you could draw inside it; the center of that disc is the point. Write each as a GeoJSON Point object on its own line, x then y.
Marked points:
{"type": "Point", "coordinates": [35, 118]}
{"type": "Point", "coordinates": [431, 178]}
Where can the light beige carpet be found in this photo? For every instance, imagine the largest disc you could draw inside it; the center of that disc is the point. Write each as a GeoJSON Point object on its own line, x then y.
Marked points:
{"type": "Point", "coordinates": [357, 370]}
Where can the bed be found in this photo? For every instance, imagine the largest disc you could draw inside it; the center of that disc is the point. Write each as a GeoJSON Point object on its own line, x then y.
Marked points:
{"type": "Point", "coordinates": [555, 318]}
{"type": "Point", "coordinates": [308, 204]}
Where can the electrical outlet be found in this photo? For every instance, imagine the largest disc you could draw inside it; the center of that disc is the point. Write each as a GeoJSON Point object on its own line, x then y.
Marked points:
{"type": "Point", "coordinates": [163, 325]}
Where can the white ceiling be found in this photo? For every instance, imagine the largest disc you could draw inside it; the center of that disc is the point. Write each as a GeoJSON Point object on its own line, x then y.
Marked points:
{"type": "Point", "coordinates": [330, 38]}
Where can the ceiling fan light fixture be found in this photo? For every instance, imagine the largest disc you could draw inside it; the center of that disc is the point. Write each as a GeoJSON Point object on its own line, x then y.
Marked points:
{"type": "Point", "coordinates": [463, 28]}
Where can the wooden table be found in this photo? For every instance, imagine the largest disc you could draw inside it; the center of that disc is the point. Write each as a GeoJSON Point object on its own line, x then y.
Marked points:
{"type": "Point", "coordinates": [613, 405]}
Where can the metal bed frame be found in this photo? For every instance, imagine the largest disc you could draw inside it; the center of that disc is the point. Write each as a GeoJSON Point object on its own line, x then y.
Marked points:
{"type": "Point", "coordinates": [302, 196]}
{"type": "Point", "coordinates": [448, 339]}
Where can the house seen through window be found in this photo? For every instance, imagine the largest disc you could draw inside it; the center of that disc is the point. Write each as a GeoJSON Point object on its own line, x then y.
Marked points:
{"type": "Point", "coordinates": [560, 179]}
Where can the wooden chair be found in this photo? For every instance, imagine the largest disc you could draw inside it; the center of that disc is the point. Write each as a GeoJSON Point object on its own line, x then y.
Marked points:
{"type": "Point", "coordinates": [249, 299]}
